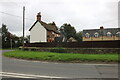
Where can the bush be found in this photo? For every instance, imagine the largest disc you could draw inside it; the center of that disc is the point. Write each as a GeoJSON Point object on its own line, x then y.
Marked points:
{"type": "Point", "coordinates": [58, 50]}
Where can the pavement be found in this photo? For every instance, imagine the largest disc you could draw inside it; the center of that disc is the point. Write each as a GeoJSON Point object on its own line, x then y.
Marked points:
{"type": "Point", "coordinates": [36, 70]}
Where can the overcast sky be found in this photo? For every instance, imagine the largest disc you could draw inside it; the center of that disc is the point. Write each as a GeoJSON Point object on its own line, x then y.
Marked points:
{"type": "Point", "coordinates": [82, 14]}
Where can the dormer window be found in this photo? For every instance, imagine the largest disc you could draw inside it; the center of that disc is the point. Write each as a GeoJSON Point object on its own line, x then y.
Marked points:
{"type": "Point", "coordinates": [96, 35]}
{"type": "Point", "coordinates": [87, 35]}
{"type": "Point", "coordinates": [118, 34]}
{"type": "Point", "coordinates": [109, 34]}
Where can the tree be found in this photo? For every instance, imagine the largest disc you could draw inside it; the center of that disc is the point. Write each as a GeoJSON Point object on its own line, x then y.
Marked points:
{"type": "Point", "coordinates": [67, 31]}
{"type": "Point", "coordinates": [78, 36]}
{"type": "Point", "coordinates": [28, 39]}
{"type": "Point", "coordinates": [5, 36]}
{"type": "Point", "coordinates": [8, 39]}
{"type": "Point", "coordinates": [4, 29]}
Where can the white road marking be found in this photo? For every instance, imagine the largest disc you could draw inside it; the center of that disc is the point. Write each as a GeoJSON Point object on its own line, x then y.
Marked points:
{"type": "Point", "coordinates": [99, 64]}
{"type": "Point", "coordinates": [9, 74]}
{"type": "Point", "coordinates": [16, 76]}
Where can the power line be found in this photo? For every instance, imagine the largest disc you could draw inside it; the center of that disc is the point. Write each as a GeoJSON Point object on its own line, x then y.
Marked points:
{"type": "Point", "coordinates": [10, 14]}
{"type": "Point", "coordinates": [33, 19]}
{"type": "Point", "coordinates": [15, 15]}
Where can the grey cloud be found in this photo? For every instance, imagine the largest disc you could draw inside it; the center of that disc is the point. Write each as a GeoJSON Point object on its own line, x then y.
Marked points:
{"type": "Point", "coordinates": [82, 14]}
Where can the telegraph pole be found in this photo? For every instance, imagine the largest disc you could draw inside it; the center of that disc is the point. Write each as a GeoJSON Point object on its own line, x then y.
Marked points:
{"type": "Point", "coordinates": [11, 42]}
{"type": "Point", "coordinates": [23, 25]}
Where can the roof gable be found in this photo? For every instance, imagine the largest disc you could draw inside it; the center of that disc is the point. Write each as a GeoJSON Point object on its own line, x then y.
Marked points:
{"type": "Point", "coordinates": [33, 25]}
{"type": "Point", "coordinates": [46, 26]}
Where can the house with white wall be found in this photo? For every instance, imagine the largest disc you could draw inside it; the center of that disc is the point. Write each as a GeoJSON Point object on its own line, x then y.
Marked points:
{"type": "Point", "coordinates": [43, 32]}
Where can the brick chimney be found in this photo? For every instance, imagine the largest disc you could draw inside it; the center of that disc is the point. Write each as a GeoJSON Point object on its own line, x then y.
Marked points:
{"type": "Point", "coordinates": [101, 27]}
{"type": "Point", "coordinates": [39, 16]}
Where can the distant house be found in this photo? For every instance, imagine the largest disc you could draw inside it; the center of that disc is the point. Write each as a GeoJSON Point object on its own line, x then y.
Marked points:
{"type": "Point", "coordinates": [101, 34]}
{"type": "Point", "coordinates": [43, 32]}
{"type": "Point", "coordinates": [71, 39]}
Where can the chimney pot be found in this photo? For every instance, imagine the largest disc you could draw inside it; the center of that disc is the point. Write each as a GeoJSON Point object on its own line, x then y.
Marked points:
{"type": "Point", "coordinates": [101, 27]}
{"type": "Point", "coordinates": [39, 16]}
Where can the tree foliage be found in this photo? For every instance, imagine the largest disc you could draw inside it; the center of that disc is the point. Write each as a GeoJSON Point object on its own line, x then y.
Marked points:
{"type": "Point", "coordinates": [5, 36]}
{"type": "Point", "coordinates": [9, 39]}
{"type": "Point", "coordinates": [78, 36]}
{"type": "Point", "coordinates": [67, 31]}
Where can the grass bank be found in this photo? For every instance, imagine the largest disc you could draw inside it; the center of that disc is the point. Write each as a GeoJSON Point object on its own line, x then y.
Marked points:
{"type": "Point", "coordinates": [10, 49]}
{"type": "Point", "coordinates": [62, 57]}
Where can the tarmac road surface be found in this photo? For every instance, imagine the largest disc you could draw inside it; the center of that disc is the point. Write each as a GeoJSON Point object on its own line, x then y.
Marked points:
{"type": "Point", "coordinates": [57, 71]}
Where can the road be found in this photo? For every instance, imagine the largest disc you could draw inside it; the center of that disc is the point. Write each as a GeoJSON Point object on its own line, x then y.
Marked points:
{"type": "Point", "coordinates": [76, 71]}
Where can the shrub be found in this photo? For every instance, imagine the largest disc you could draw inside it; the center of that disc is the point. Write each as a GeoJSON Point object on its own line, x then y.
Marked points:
{"type": "Point", "coordinates": [58, 50]}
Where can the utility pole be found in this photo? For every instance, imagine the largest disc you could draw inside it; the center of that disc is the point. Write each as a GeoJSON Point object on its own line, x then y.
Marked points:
{"type": "Point", "coordinates": [11, 43]}
{"type": "Point", "coordinates": [23, 25]}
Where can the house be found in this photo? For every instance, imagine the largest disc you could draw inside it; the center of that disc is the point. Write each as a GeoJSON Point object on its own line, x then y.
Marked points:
{"type": "Point", "coordinates": [71, 39]}
{"type": "Point", "coordinates": [101, 34]}
{"type": "Point", "coordinates": [43, 32]}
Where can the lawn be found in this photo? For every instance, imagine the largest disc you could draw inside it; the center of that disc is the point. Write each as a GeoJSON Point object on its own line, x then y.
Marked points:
{"type": "Point", "coordinates": [62, 57]}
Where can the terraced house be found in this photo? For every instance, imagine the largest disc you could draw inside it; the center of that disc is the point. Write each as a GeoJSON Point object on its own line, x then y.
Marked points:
{"type": "Point", "coordinates": [43, 32]}
{"type": "Point", "coordinates": [102, 34]}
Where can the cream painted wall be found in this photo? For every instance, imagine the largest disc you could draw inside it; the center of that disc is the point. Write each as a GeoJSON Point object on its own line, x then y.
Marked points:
{"type": "Point", "coordinates": [38, 33]}
{"type": "Point", "coordinates": [100, 38]}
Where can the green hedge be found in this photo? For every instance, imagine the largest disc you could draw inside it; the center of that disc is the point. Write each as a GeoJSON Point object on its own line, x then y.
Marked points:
{"type": "Point", "coordinates": [76, 50]}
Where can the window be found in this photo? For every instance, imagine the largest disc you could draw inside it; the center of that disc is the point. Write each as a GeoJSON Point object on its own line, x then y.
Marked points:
{"type": "Point", "coordinates": [87, 35]}
{"type": "Point", "coordinates": [109, 34]}
{"type": "Point", "coordinates": [53, 33]}
{"type": "Point", "coordinates": [96, 35]}
{"type": "Point", "coordinates": [118, 34]}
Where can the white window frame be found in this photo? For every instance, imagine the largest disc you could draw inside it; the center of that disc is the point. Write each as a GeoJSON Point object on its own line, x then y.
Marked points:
{"type": "Point", "coordinates": [87, 35]}
{"type": "Point", "coordinates": [53, 32]}
{"type": "Point", "coordinates": [109, 34]}
{"type": "Point", "coordinates": [96, 35]}
{"type": "Point", "coordinates": [118, 34]}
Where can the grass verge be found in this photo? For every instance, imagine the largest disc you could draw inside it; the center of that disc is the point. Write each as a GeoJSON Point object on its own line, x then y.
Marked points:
{"type": "Point", "coordinates": [10, 49]}
{"type": "Point", "coordinates": [62, 57]}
